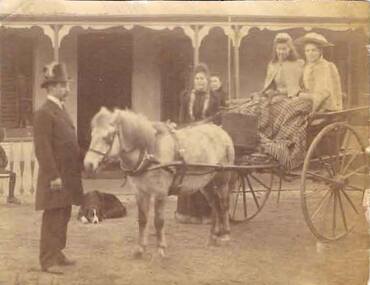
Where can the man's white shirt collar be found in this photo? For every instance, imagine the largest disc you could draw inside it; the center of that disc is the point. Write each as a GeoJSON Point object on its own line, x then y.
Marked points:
{"type": "Point", "coordinates": [56, 101]}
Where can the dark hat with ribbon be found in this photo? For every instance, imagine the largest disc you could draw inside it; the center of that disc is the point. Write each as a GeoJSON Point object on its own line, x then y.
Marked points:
{"type": "Point", "coordinates": [54, 72]}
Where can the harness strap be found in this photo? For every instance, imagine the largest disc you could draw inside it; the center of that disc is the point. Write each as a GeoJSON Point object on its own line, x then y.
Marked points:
{"type": "Point", "coordinates": [144, 162]}
{"type": "Point", "coordinates": [180, 171]}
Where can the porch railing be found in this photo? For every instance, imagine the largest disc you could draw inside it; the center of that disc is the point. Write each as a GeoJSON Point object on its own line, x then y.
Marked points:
{"type": "Point", "coordinates": [22, 161]}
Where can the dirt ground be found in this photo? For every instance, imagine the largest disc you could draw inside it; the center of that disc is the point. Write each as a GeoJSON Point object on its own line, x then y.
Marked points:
{"type": "Point", "coordinates": [274, 248]}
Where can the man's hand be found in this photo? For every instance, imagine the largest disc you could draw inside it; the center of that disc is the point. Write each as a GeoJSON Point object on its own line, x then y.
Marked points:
{"type": "Point", "coordinates": [56, 184]}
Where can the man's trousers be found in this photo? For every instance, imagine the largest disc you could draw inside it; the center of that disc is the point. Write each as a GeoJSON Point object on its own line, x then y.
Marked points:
{"type": "Point", "coordinates": [54, 235]}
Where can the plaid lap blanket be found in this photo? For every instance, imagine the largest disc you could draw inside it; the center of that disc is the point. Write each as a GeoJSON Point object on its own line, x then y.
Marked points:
{"type": "Point", "coordinates": [282, 127]}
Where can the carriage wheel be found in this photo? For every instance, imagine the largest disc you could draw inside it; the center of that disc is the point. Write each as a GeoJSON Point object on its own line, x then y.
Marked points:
{"type": "Point", "coordinates": [249, 195]}
{"type": "Point", "coordinates": [334, 178]}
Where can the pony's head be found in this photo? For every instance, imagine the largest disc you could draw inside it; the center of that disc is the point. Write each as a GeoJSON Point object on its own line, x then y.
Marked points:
{"type": "Point", "coordinates": [121, 134]}
{"type": "Point", "coordinates": [103, 139]}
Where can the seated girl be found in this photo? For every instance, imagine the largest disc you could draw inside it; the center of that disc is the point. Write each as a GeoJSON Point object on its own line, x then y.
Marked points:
{"type": "Point", "coordinates": [282, 114]}
{"type": "Point", "coordinates": [321, 81]}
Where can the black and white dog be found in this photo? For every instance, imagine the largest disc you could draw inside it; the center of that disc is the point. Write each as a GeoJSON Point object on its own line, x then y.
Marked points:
{"type": "Point", "coordinates": [97, 206]}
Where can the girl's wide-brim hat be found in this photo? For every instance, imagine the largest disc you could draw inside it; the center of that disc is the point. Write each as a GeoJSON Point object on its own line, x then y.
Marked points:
{"type": "Point", "coordinates": [314, 38]}
{"type": "Point", "coordinates": [54, 72]}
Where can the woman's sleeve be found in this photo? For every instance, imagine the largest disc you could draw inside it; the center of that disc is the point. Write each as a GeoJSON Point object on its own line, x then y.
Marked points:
{"type": "Point", "coordinates": [268, 77]}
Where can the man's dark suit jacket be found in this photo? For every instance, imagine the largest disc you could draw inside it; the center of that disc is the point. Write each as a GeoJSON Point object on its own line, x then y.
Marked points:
{"type": "Point", "coordinates": [58, 155]}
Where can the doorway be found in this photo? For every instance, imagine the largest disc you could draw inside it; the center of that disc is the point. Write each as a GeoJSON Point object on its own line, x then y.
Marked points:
{"type": "Point", "coordinates": [176, 57]}
{"type": "Point", "coordinates": [104, 77]}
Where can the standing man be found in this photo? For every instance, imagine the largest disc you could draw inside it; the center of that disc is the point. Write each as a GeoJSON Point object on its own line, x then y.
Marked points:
{"type": "Point", "coordinates": [59, 183]}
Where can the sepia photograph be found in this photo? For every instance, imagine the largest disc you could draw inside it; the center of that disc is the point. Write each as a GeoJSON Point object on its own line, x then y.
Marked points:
{"type": "Point", "coordinates": [184, 142]}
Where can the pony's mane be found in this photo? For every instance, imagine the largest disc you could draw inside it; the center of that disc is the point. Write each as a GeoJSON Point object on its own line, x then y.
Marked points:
{"type": "Point", "coordinates": [136, 128]}
{"type": "Point", "coordinates": [100, 119]}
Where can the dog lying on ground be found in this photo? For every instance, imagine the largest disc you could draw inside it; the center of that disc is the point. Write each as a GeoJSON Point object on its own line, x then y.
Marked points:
{"type": "Point", "coordinates": [97, 206]}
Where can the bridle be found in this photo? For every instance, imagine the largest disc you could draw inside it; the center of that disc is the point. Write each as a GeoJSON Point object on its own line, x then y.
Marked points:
{"type": "Point", "coordinates": [143, 161]}
{"type": "Point", "coordinates": [104, 154]}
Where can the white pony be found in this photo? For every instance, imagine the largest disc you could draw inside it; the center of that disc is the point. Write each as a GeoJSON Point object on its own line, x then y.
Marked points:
{"type": "Point", "coordinates": [144, 147]}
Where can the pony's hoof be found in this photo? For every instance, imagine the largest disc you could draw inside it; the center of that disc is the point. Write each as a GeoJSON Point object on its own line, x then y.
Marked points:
{"type": "Point", "coordinates": [139, 253]}
{"type": "Point", "coordinates": [213, 240]}
{"type": "Point", "coordinates": [224, 239]}
{"type": "Point", "coordinates": [161, 252]}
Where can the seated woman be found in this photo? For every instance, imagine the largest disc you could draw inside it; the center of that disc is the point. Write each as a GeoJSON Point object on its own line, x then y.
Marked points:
{"type": "Point", "coordinates": [218, 95]}
{"type": "Point", "coordinates": [281, 113]}
{"type": "Point", "coordinates": [197, 103]}
{"type": "Point", "coordinates": [321, 80]}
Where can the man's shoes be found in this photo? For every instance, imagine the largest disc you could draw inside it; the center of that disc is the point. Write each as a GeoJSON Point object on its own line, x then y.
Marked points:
{"type": "Point", "coordinates": [195, 220]}
{"type": "Point", "coordinates": [206, 220]}
{"type": "Point", "coordinates": [47, 270]}
{"type": "Point", "coordinates": [66, 262]}
{"type": "Point", "coordinates": [13, 200]}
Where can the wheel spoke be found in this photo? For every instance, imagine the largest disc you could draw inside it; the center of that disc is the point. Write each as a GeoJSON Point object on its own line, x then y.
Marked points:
{"type": "Point", "coordinates": [321, 203]}
{"type": "Point", "coordinates": [344, 170]}
{"type": "Point", "coordinates": [355, 171]}
{"type": "Point", "coordinates": [245, 206]}
{"type": "Point", "coordinates": [349, 200]}
{"type": "Point", "coordinates": [252, 191]}
{"type": "Point", "coordinates": [342, 212]}
{"type": "Point", "coordinates": [259, 181]}
{"type": "Point", "coordinates": [314, 191]}
{"type": "Point", "coordinates": [337, 151]}
{"type": "Point", "coordinates": [355, 188]}
{"type": "Point", "coordinates": [334, 157]}
{"type": "Point", "coordinates": [334, 214]}
{"type": "Point", "coordinates": [326, 167]}
{"type": "Point", "coordinates": [326, 179]}
{"type": "Point", "coordinates": [236, 203]}
{"type": "Point", "coordinates": [346, 141]}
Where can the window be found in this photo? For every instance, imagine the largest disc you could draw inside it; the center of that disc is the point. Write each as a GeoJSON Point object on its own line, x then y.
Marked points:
{"type": "Point", "coordinates": [16, 96]}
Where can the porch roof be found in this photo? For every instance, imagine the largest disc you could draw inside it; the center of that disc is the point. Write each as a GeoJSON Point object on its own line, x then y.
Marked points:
{"type": "Point", "coordinates": [52, 11]}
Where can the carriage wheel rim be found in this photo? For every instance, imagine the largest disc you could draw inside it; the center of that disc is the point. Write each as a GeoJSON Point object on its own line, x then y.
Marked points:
{"type": "Point", "coordinates": [342, 192]}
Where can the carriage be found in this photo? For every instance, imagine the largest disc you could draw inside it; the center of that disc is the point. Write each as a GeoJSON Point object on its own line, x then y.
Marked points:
{"type": "Point", "coordinates": [333, 177]}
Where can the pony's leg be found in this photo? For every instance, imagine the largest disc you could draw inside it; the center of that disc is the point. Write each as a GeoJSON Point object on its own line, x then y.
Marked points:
{"type": "Point", "coordinates": [159, 205]}
{"type": "Point", "coordinates": [143, 204]}
{"type": "Point", "coordinates": [224, 213]}
{"type": "Point", "coordinates": [224, 200]}
{"type": "Point", "coordinates": [215, 227]}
